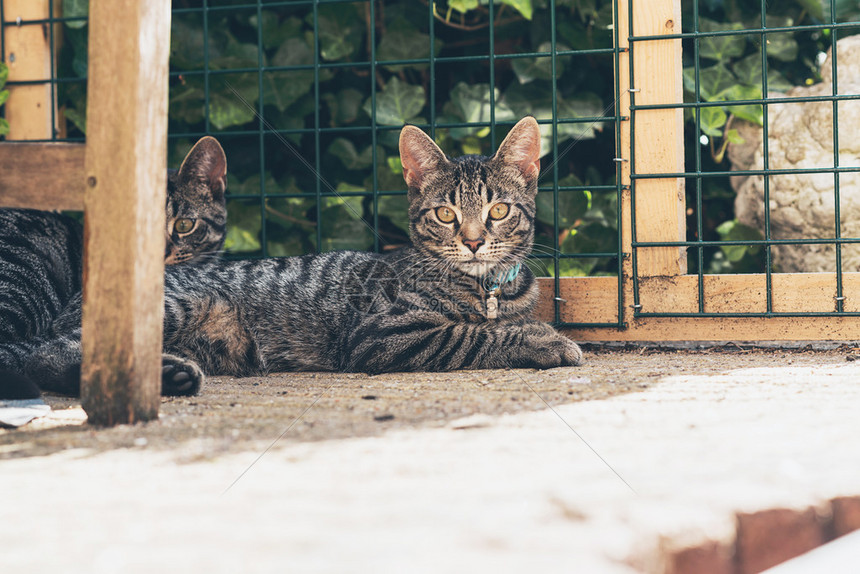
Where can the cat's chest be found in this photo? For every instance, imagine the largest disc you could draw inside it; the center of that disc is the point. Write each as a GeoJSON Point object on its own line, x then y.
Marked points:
{"type": "Point", "coordinates": [464, 302]}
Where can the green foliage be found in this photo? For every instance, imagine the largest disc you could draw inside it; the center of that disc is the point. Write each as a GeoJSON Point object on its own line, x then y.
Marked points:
{"type": "Point", "coordinates": [278, 204]}
{"type": "Point", "coordinates": [4, 95]}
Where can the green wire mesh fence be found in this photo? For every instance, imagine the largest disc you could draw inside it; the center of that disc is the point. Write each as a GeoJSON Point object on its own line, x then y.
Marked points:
{"type": "Point", "coordinates": [745, 63]}
{"type": "Point", "coordinates": [308, 96]}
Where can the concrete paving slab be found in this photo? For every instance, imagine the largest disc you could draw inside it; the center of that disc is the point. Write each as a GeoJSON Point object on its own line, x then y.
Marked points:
{"type": "Point", "coordinates": [457, 480]}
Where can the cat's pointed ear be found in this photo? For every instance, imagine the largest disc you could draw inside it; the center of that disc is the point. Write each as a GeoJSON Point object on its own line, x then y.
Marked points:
{"type": "Point", "coordinates": [206, 162]}
{"type": "Point", "coordinates": [419, 155]}
{"type": "Point", "coordinates": [521, 147]}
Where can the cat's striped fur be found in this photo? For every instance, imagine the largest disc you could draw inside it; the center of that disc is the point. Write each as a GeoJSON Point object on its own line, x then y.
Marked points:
{"type": "Point", "coordinates": [41, 254]}
{"type": "Point", "coordinates": [419, 308]}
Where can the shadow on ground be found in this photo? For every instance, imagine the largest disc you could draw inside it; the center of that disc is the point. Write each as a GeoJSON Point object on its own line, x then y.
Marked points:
{"type": "Point", "coordinates": [240, 414]}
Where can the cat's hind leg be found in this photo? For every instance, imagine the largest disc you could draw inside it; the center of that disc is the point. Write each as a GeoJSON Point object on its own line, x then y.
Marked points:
{"type": "Point", "coordinates": [180, 377]}
{"type": "Point", "coordinates": [56, 367]}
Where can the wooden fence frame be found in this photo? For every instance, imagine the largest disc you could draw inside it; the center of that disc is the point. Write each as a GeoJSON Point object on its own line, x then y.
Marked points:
{"type": "Point", "coordinates": [660, 217]}
{"type": "Point", "coordinates": [118, 179]}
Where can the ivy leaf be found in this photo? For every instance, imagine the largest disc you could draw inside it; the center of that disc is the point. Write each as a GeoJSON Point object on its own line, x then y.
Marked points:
{"type": "Point", "coordinates": [462, 6]}
{"type": "Point", "coordinates": [77, 38]}
{"type": "Point", "coordinates": [186, 43]}
{"type": "Point", "coordinates": [4, 95]}
{"type": "Point", "coordinates": [736, 231]}
{"type": "Point", "coordinates": [345, 151]}
{"type": "Point", "coordinates": [720, 48]}
{"type": "Point", "coordinates": [398, 103]}
{"type": "Point", "coordinates": [282, 89]}
{"type": "Point", "coordinates": [524, 7]}
{"type": "Point", "coordinates": [471, 104]}
{"type": "Point", "coordinates": [4, 74]}
{"type": "Point", "coordinates": [76, 9]}
{"type": "Point", "coordinates": [77, 117]}
{"type": "Point", "coordinates": [342, 226]}
{"type": "Point", "coordinates": [536, 100]}
{"type": "Point", "coordinates": [275, 32]}
{"type": "Point", "coordinates": [243, 226]}
{"type": "Point", "coordinates": [4, 127]}
{"type": "Point", "coordinates": [344, 105]}
{"type": "Point", "coordinates": [751, 113]}
{"type": "Point", "coordinates": [734, 137]}
{"type": "Point", "coordinates": [748, 70]}
{"type": "Point", "coordinates": [341, 29]}
{"type": "Point", "coordinates": [225, 108]}
{"type": "Point", "coordinates": [405, 42]}
{"type": "Point", "coordinates": [591, 238]}
{"type": "Point", "coordinates": [782, 46]}
{"type": "Point", "coordinates": [712, 121]}
{"type": "Point", "coordinates": [572, 204]}
{"type": "Point", "coordinates": [539, 68]}
{"type": "Point", "coordinates": [712, 81]}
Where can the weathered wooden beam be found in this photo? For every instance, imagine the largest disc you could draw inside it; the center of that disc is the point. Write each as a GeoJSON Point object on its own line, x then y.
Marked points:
{"type": "Point", "coordinates": [124, 209]}
{"type": "Point", "coordinates": [42, 175]}
{"type": "Point", "coordinates": [658, 134]}
{"type": "Point", "coordinates": [28, 55]}
{"type": "Point", "coordinates": [595, 300]}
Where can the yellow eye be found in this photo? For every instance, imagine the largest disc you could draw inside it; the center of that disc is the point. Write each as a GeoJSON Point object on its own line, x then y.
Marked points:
{"type": "Point", "coordinates": [499, 211]}
{"type": "Point", "coordinates": [184, 225]}
{"type": "Point", "coordinates": [445, 214]}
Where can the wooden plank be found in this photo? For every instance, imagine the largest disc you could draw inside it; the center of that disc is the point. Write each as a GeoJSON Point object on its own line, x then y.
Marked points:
{"type": "Point", "coordinates": [593, 299]}
{"type": "Point", "coordinates": [28, 55]}
{"type": "Point", "coordinates": [124, 217]}
{"type": "Point", "coordinates": [45, 175]}
{"type": "Point", "coordinates": [659, 134]}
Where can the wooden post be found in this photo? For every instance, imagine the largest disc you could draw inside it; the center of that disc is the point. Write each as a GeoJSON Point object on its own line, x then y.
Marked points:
{"type": "Point", "coordinates": [659, 145]}
{"type": "Point", "coordinates": [124, 209]}
{"type": "Point", "coordinates": [28, 55]}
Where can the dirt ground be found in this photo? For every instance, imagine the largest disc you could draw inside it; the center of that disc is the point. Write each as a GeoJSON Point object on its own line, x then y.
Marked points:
{"type": "Point", "coordinates": [247, 414]}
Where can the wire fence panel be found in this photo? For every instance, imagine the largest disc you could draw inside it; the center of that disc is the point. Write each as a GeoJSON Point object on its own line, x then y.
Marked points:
{"type": "Point", "coordinates": [744, 69]}
{"type": "Point", "coordinates": [308, 97]}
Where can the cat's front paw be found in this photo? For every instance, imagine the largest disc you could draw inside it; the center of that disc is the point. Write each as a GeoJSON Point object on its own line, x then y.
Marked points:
{"type": "Point", "coordinates": [544, 348]}
{"type": "Point", "coordinates": [180, 377]}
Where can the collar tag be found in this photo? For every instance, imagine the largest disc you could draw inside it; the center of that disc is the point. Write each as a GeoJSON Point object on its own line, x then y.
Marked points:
{"type": "Point", "coordinates": [492, 307]}
{"type": "Point", "coordinates": [495, 287]}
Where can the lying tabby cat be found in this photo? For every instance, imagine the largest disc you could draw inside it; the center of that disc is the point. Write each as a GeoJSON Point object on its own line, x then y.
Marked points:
{"type": "Point", "coordinates": [457, 299]}
{"type": "Point", "coordinates": [41, 252]}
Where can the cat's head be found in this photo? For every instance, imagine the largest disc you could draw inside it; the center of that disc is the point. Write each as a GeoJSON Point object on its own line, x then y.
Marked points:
{"type": "Point", "coordinates": [196, 209]}
{"type": "Point", "coordinates": [472, 211]}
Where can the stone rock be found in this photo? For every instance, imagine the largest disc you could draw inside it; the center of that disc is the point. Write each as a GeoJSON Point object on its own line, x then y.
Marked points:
{"type": "Point", "coordinates": [800, 136]}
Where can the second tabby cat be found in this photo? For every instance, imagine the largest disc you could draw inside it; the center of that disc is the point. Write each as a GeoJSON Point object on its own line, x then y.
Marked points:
{"type": "Point", "coordinates": [459, 298]}
{"type": "Point", "coordinates": [40, 252]}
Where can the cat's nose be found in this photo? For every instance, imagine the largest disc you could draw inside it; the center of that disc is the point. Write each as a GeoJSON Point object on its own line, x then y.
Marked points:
{"type": "Point", "coordinates": [473, 244]}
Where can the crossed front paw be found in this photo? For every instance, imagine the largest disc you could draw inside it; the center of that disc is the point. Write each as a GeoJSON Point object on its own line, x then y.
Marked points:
{"type": "Point", "coordinates": [544, 348]}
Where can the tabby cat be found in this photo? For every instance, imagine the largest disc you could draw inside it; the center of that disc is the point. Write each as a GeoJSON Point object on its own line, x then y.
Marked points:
{"type": "Point", "coordinates": [458, 298]}
{"type": "Point", "coordinates": [41, 253]}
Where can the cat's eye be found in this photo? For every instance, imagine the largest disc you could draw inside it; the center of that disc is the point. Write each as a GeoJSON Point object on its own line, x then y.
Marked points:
{"type": "Point", "coordinates": [183, 225]}
{"type": "Point", "coordinates": [445, 214]}
{"type": "Point", "coordinates": [499, 211]}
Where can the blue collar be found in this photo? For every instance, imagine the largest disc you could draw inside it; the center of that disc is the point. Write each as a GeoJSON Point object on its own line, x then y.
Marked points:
{"type": "Point", "coordinates": [494, 283]}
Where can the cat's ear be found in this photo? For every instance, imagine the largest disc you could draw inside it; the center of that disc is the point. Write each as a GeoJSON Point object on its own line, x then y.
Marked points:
{"type": "Point", "coordinates": [419, 155]}
{"type": "Point", "coordinates": [521, 147]}
{"type": "Point", "coordinates": [207, 163]}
